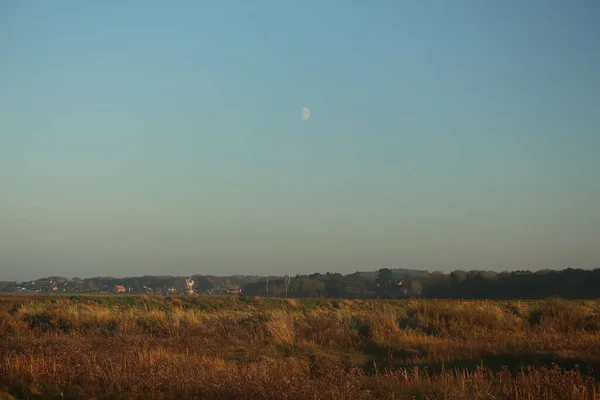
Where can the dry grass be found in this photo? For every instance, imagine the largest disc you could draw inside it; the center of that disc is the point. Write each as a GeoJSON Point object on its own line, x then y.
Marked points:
{"type": "Point", "coordinates": [145, 347]}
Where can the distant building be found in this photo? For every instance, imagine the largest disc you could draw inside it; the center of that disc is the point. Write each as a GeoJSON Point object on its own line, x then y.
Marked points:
{"type": "Point", "coordinates": [190, 286]}
{"type": "Point", "coordinates": [236, 290]}
{"type": "Point", "coordinates": [147, 289]}
{"type": "Point", "coordinates": [352, 289]}
{"type": "Point", "coordinates": [233, 290]}
{"type": "Point", "coordinates": [120, 289]}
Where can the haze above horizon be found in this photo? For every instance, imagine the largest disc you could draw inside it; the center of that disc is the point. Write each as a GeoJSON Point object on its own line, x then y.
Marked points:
{"type": "Point", "coordinates": [147, 138]}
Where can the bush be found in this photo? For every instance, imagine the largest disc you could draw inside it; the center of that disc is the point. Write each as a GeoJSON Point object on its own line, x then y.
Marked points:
{"type": "Point", "coordinates": [562, 315]}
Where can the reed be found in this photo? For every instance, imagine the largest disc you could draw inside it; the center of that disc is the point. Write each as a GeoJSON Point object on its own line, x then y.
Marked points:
{"type": "Point", "coordinates": [201, 347]}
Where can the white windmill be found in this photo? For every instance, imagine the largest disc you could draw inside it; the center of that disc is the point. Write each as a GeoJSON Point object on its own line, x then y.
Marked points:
{"type": "Point", "coordinates": [190, 285]}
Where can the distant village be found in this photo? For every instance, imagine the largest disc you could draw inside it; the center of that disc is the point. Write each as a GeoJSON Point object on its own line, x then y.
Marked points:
{"type": "Point", "coordinates": [63, 285]}
{"type": "Point", "coordinates": [384, 283]}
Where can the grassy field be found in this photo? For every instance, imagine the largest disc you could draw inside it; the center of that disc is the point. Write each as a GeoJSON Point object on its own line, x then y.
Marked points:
{"type": "Point", "coordinates": [256, 348]}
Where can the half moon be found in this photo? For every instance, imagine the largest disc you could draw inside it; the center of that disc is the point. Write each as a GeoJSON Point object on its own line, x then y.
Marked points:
{"type": "Point", "coordinates": [305, 113]}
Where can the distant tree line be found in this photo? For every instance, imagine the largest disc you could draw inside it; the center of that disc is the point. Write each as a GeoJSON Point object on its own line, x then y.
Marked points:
{"type": "Point", "coordinates": [569, 283]}
{"type": "Point", "coordinates": [384, 283]}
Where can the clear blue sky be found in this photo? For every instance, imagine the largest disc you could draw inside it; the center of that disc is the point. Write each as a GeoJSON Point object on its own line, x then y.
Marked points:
{"type": "Point", "coordinates": [159, 137]}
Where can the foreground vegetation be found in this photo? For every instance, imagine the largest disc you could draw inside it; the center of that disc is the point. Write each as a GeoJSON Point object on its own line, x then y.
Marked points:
{"type": "Point", "coordinates": [239, 347]}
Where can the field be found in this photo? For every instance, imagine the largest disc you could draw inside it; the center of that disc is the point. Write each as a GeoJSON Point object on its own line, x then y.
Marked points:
{"type": "Point", "coordinates": [257, 348]}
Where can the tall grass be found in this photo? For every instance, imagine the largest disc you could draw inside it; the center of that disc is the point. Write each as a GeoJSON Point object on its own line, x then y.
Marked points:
{"type": "Point", "coordinates": [153, 347]}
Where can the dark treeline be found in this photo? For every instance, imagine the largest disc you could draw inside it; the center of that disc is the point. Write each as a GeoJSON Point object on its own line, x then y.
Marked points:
{"type": "Point", "coordinates": [385, 283]}
{"type": "Point", "coordinates": [569, 283]}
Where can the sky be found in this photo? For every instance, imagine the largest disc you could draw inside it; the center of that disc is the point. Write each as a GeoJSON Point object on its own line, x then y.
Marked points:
{"type": "Point", "coordinates": [159, 137]}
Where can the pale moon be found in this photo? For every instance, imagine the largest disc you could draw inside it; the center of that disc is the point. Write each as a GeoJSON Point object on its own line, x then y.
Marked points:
{"type": "Point", "coordinates": [305, 113]}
